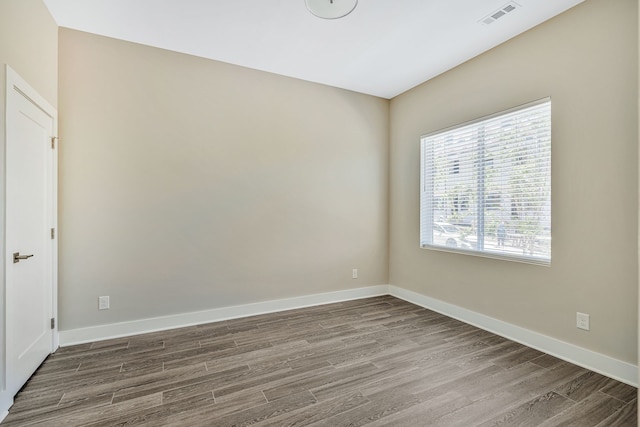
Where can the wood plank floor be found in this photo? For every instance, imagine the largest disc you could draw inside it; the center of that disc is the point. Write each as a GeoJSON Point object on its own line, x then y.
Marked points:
{"type": "Point", "coordinates": [376, 362]}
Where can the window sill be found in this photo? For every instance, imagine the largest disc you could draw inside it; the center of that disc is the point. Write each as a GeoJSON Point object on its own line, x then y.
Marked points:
{"type": "Point", "coordinates": [493, 255]}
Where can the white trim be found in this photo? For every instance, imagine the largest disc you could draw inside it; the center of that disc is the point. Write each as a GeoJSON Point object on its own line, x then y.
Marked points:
{"type": "Point", "coordinates": [14, 83]}
{"type": "Point", "coordinates": [6, 402]}
{"type": "Point", "coordinates": [116, 330]}
{"type": "Point", "coordinates": [14, 80]}
{"type": "Point", "coordinates": [597, 362]}
{"type": "Point", "coordinates": [606, 365]}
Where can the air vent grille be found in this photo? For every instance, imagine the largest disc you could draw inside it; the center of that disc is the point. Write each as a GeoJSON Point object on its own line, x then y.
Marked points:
{"type": "Point", "coordinates": [497, 14]}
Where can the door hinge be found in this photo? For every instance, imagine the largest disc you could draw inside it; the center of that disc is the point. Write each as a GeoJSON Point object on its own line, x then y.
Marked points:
{"type": "Point", "coordinates": [53, 233]}
{"type": "Point", "coordinates": [53, 323]}
{"type": "Point", "coordinates": [53, 142]}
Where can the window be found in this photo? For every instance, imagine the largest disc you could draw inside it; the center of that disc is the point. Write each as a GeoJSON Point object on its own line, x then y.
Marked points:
{"type": "Point", "coordinates": [503, 171]}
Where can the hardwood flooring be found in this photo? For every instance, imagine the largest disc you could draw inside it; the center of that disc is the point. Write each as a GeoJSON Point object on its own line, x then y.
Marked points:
{"type": "Point", "coordinates": [376, 362]}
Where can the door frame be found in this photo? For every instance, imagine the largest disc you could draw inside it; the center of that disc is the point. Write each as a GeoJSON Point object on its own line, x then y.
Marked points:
{"type": "Point", "coordinates": [17, 86]}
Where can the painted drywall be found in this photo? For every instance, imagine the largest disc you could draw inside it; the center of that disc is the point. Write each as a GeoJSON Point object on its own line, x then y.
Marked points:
{"type": "Point", "coordinates": [29, 45]}
{"type": "Point", "coordinates": [188, 184]}
{"type": "Point", "coordinates": [586, 60]}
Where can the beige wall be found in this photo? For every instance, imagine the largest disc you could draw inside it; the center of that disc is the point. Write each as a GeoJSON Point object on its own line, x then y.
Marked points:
{"type": "Point", "coordinates": [586, 60]}
{"type": "Point", "coordinates": [188, 184]}
{"type": "Point", "coordinates": [29, 45]}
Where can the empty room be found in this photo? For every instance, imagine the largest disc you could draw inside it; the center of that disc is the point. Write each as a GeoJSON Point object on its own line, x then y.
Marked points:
{"type": "Point", "coordinates": [319, 212]}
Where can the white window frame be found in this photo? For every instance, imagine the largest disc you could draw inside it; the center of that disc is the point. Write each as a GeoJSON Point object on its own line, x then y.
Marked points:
{"type": "Point", "coordinates": [523, 210]}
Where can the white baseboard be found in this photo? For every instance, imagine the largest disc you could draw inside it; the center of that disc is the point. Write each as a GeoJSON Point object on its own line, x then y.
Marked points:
{"type": "Point", "coordinates": [606, 365]}
{"type": "Point", "coordinates": [135, 327]}
{"type": "Point", "coordinates": [5, 403]}
{"type": "Point", "coordinates": [597, 362]}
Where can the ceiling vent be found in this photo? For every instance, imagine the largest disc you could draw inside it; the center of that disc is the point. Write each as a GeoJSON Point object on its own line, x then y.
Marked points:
{"type": "Point", "coordinates": [497, 14]}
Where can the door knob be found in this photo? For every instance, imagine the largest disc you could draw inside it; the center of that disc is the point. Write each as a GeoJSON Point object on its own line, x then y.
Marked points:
{"type": "Point", "coordinates": [17, 257]}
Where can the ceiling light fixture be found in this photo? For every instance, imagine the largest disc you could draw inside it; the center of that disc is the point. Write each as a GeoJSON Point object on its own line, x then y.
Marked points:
{"type": "Point", "coordinates": [331, 9]}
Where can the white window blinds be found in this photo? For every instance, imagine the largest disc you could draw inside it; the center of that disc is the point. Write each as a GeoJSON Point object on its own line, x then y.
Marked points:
{"type": "Point", "coordinates": [486, 186]}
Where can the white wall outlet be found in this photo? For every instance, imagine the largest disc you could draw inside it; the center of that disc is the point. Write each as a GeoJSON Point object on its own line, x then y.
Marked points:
{"type": "Point", "coordinates": [582, 321]}
{"type": "Point", "coordinates": [354, 273]}
{"type": "Point", "coordinates": [103, 303]}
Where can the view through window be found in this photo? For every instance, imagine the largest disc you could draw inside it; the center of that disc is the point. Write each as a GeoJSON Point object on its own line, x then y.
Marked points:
{"type": "Point", "coordinates": [486, 186]}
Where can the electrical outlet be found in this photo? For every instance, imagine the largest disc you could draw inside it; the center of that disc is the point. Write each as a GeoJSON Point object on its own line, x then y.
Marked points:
{"type": "Point", "coordinates": [354, 273]}
{"type": "Point", "coordinates": [103, 303]}
{"type": "Point", "coordinates": [582, 321]}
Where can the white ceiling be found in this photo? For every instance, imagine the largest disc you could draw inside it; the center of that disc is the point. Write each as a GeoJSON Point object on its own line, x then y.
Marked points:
{"type": "Point", "coordinates": [383, 48]}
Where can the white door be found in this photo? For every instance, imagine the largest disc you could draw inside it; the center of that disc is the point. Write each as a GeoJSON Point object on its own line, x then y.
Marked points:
{"type": "Point", "coordinates": [30, 216]}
